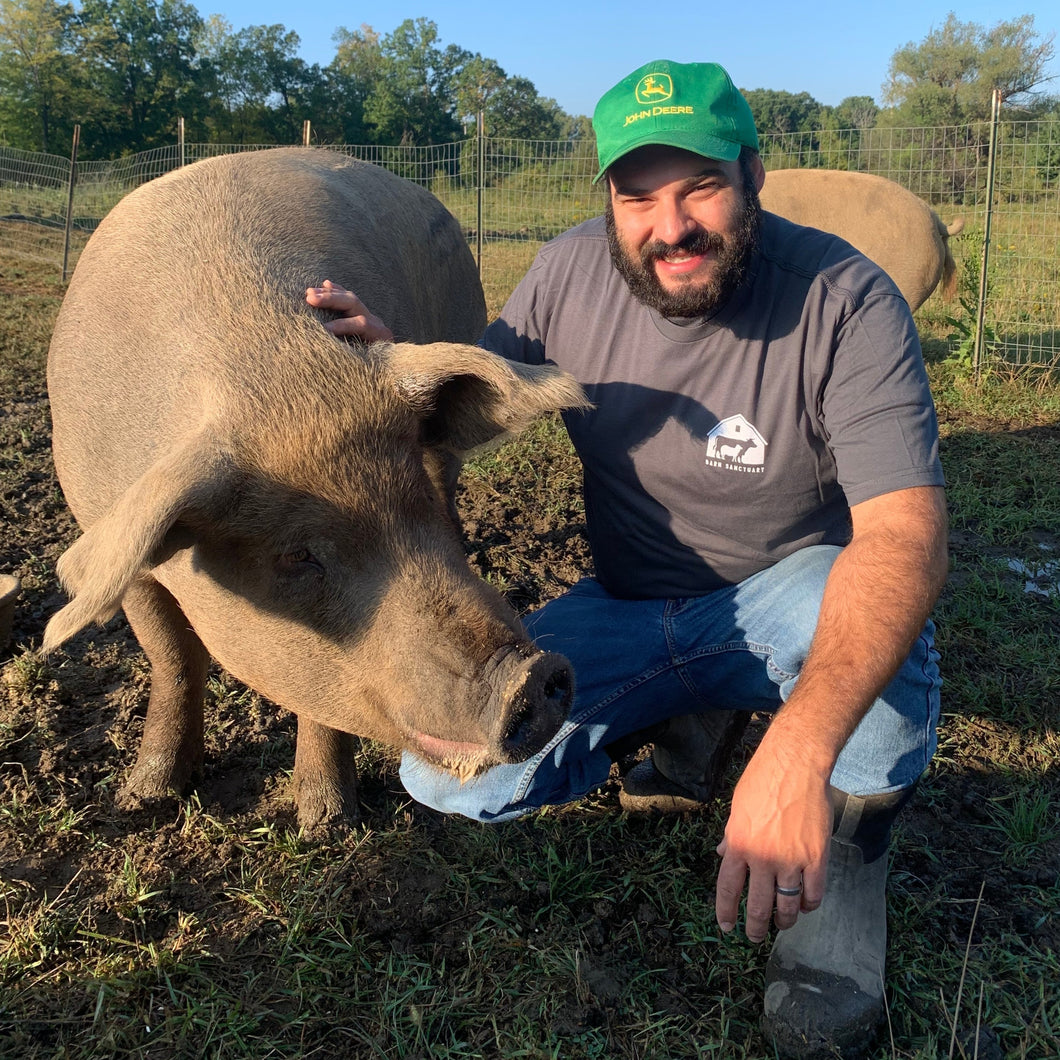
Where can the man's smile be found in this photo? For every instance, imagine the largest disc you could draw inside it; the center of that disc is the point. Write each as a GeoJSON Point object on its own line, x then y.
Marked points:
{"type": "Point", "coordinates": [678, 264]}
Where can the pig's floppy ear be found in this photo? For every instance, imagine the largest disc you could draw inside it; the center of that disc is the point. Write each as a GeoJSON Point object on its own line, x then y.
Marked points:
{"type": "Point", "coordinates": [98, 568]}
{"type": "Point", "coordinates": [468, 396]}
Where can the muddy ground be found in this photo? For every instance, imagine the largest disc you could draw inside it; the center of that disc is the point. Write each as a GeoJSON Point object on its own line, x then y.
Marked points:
{"type": "Point", "coordinates": [69, 730]}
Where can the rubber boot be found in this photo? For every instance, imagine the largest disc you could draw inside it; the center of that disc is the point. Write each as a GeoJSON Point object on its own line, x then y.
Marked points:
{"type": "Point", "coordinates": [825, 975]}
{"type": "Point", "coordinates": [687, 764]}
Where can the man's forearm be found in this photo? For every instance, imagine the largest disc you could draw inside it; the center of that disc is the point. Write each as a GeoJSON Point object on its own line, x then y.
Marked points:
{"type": "Point", "coordinates": [877, 599]}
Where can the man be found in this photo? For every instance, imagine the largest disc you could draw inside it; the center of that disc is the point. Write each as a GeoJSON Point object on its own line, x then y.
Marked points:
{"type": "Point", "coordinates": [765, 507]}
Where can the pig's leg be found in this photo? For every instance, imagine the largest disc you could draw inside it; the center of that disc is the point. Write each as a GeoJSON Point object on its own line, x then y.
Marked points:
{"type": "Point", "coordinates": [325, 775]}
{"type": "Point", "coordinates": [171, 751]}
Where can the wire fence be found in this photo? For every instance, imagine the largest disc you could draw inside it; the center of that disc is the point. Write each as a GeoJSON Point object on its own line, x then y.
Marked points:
{"type": "Point", "coordinates": [510, 196]}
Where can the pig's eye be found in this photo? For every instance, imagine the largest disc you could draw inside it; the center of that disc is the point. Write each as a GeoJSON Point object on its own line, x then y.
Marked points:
{"type": "Point", "coordinates": [298, 563]}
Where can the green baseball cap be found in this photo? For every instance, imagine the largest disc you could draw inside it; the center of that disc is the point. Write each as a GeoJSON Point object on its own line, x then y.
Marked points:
{"type": "Point", "coordinates": [694, 106]}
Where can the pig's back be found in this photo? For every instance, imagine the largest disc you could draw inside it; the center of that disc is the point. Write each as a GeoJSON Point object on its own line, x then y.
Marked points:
{"type": "Point", "coordinates": [195, 283]}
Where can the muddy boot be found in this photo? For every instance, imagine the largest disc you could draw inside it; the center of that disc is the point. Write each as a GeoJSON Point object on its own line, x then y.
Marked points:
{"type": "Point", "coordinates": [825, 976]}
{"type": "Point", "coordinates": [688, 761]}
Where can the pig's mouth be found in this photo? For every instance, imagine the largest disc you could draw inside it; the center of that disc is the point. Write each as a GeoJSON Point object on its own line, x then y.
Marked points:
{"type": "Point", "coordinates": [532, 690]}
{"type": "Point", "coordinates": [464, 759]}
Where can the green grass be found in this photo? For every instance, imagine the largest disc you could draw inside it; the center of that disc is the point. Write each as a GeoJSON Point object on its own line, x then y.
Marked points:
{"type": "Point", "coordinates": [580, 932]}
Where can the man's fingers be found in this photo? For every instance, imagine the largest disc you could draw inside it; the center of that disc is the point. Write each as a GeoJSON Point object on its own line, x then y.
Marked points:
{"type": "Point", "coordinates": [354, 320]}
{"type": "Point", "coordinates": [731, 877]}
{"type": "Point", "coordinates": [788, 902]}
{"type": "Point", "coordinates": [347, 327]}
{"type": "Point", "coordinates": [367, 329]}
{"type": "Point", "coordinates": [761, 895]}
{"type": "Point", "coordinates": [338, 299]}
{"type": "Point", "coordinates": [766, 899]}
{"type": "Point", "coordinates": [814, 880]}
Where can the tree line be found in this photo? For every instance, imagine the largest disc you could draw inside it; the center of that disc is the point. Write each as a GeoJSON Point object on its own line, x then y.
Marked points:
{"type": "Point", "coordinates": [126, 69]}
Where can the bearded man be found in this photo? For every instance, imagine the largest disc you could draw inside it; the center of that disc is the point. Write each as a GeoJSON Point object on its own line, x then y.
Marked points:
{"type": "Point", "coordinates": [765, 507]}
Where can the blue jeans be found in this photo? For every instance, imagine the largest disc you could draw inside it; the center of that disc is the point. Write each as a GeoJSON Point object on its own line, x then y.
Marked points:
{"type": "Point", "coordinates": [637, 662]}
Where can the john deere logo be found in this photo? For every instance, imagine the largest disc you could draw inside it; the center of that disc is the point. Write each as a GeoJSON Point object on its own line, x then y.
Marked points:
{"type": "Point", "coordinates": [654, 88]}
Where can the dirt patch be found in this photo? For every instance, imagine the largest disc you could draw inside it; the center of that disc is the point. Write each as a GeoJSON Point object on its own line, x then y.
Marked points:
{"type": "Point", "coordinates": [70, 726]}
{"type": "Point", "coordinates": [179, 877]}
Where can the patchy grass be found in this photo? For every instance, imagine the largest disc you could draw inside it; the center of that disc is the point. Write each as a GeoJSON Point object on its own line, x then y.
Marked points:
{"type": "Point", "coordinates": [210, 927]}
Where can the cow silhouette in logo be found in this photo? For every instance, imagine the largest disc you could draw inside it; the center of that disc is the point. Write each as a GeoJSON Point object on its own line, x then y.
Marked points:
{"type": "Point", "coordinates": [739, 447]}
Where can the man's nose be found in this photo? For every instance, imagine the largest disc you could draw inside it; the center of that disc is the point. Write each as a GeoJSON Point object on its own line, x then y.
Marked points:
{"type": "Point", "coordinates": [673, 223]}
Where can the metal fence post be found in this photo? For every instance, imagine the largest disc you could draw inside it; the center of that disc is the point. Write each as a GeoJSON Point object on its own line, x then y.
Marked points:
{"type": "Point", "coordinates": [305, 132]}
{"type": "Point", "coordinates": [481, 181]}
{"type": "Point", "coordinates": [180, 142]}
{"type": "Point", "coordinates": [70, 202]}
{"type": "Point", "coordinates": [991, 167]}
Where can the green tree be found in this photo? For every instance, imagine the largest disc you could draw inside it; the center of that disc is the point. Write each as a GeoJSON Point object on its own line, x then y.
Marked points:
{"type": "Point", "coordinates": [576, 127]}
{"type": "Point", "coordinates": [38, 74]}
{"type": "Point", "coordinates": [949, 77]}
{"type": "Point", "coordinates": [511, 105]}
{"type": "Point", "coordinates": [783, 112]}
{"type": "Point", "coordinates": [276, 83]}
{"type": "Point", "coordinates": [412, 100]}
{"type": "Point", "coordinates": [841, 136]}
{"type": "Point", "coordinates": [221, 79]}
{"type": "Point", "coordinates": [855, 112]}
{"type": "Point", "coordinates": [251, 73]}
{"type": "Point", "coordinates": [517, 111]}
{"type": "Point", "coordinates": [350, 79]}
{"type": "Point", "coordinates": [475, 86]}
{"type": "Point", "coordinates": [139, 57]}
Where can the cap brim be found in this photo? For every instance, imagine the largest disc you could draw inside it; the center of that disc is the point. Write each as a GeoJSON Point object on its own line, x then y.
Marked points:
{"type": "Point", "coordinates": [708, 146]}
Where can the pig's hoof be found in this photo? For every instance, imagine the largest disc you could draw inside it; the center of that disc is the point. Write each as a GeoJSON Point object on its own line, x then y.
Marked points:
{"type": "Point", "coordinates": [321, 810]}
{"type": "Point", "coordinates": [151, 780]}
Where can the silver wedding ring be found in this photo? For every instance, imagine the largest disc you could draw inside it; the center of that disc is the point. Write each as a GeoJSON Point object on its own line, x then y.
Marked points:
{"type": "Point", "coordinates": [789, 892]}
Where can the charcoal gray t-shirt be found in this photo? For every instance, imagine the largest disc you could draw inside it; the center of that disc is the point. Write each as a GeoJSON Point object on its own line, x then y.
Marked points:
{"type": "Point", "coordinates": [717, 447]}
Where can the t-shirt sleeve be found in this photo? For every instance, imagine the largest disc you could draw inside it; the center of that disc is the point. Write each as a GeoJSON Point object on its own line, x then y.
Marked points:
{"type": "Point", "coordinates": [877, 407]}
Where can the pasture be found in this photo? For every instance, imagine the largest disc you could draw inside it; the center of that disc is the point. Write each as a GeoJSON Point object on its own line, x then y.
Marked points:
{"type": "Point", "coordinates": [210, 927]}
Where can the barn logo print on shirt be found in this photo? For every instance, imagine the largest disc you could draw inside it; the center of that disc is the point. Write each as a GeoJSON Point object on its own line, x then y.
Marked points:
{"type": "Point", "coordinates": [736, 445]}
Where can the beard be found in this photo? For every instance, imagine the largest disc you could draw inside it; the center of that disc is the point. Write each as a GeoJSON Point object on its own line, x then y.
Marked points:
{"type": "Point", "coordinates": [734, 255]}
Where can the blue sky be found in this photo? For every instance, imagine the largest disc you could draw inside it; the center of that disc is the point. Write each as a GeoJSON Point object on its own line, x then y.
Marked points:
{"type": "Point", "coordinates": [573, 51]}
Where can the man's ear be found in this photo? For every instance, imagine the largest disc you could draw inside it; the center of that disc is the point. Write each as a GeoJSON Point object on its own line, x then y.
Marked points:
{"type": "Point", "coordinates": [467, 396]}
{"type": "Point", "coordinates": [758, 170]}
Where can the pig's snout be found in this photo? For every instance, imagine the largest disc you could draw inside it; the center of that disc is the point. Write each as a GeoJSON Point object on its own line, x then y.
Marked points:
{"type": "Point", "coordinates": [535, 693]}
